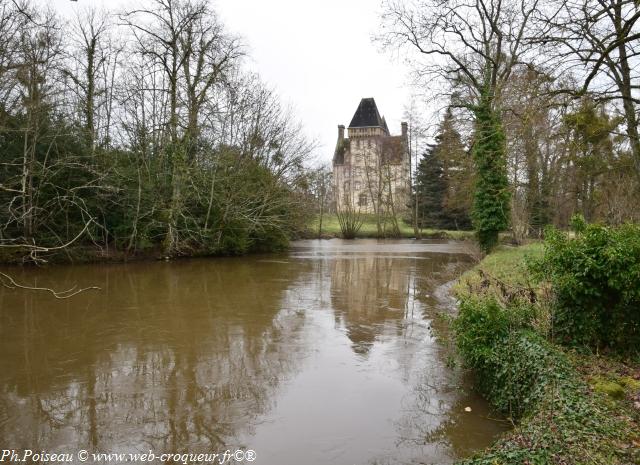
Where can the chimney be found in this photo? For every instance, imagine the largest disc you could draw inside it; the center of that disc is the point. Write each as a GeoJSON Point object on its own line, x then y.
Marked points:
{"type": "Point", "coordinates": [405, 129]}
{"type": "Point", "coordinates": [340, 133]}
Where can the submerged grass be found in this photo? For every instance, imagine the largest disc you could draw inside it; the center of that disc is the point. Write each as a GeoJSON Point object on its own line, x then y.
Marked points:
{"type": "Point", "coordinates": [568, 407]}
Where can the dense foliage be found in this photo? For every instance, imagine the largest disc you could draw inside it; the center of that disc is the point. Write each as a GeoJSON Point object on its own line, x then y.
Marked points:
{"type": "Point", "coordinates": [431, 187]}
{"type": "Point", "coordinates": [595, 278]}
{"type": "Point", "coordinates": [559, 421]}
{"type": "Point", "coordinates": [487, 336]}
{"type": "Point", "coordinates": [501, 333]}
{"type": "Point", "coordinates": [140, 132]}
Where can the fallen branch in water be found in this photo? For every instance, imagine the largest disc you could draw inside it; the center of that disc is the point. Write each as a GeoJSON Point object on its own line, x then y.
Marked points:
{"type": "Point", "coordinates": [8, 282]}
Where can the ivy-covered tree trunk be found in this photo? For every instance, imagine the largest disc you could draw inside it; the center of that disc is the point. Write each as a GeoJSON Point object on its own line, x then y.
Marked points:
{"type": "Point", "coordinates": [491, 200]}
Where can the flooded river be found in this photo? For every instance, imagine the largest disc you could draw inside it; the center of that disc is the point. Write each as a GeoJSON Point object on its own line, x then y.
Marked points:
{"type": "Point", "coordinates": [332, 353]}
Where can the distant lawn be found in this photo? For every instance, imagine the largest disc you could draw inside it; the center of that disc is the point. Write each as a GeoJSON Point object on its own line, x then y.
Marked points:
{"type": "Point", "coordinates": [331, 228]}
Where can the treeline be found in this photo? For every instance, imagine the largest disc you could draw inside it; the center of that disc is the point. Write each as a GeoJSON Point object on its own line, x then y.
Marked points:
{"type": "Point", "coordinates": [141, 130]}
{"type": "Point", "coordinates": [542, 97]}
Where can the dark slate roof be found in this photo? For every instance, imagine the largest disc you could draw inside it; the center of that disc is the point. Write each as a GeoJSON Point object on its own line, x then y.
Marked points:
{"type": "Point", "coordinates": [366, 115]}
{"type": "Point", "coordinates": [384, 125]}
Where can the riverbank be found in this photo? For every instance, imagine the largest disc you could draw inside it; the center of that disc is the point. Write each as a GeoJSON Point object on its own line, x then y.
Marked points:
{"type": "Point", "coordinates": [88, 254]}
{"type": "Point", "coordinates": [568, 406]}
{"type": "Point", "coordinates": [369, 229]}
{"type": "Point", "coordinates": [91, 253]}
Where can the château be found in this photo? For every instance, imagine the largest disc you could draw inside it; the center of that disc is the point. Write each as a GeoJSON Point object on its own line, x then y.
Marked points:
{"type": "Point", "coordinates": [370, 166]}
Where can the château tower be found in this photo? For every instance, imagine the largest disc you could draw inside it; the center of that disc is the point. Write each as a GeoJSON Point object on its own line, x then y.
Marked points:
{"type": "Point", "coordinates": [370, 166]}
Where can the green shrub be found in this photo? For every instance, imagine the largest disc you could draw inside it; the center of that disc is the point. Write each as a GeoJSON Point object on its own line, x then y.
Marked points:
{"type": "Point", "coordinates": [514, 364]}
{"type": "Point", "coordinates": [596, 281]}
{"type": "Point", "coordinates": [526, 377]}
{"type": "Point", "coordinates": [480, 324]}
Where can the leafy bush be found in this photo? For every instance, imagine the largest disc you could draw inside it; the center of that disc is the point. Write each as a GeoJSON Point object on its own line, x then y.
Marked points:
{"type": "Point", "coordinates": [596, 281]}
{"type": "Point", "coordinates": [480, 324]}
{"type": "Point", "coordinates": [559, 419]}
{"type": "Point", "coordinates": [513, 363]}
{"type": "Point", "coordinates": [526, 377]}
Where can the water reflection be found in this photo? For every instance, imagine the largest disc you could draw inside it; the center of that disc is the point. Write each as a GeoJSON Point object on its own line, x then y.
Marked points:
{"type": "Point", "coordinates": [372, 292]}
{"type": "Point", "coordinates": [168, 356]}
{"type": "Point", "coordinates": [322, 355]}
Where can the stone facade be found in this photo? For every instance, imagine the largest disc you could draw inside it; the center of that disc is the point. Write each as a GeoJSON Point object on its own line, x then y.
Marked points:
{"type": "Point", "coordinates": [370, 166]}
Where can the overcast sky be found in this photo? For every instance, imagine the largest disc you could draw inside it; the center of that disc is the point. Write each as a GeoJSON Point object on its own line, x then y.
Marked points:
{"type": "Point", "coordinates": [320, 57]}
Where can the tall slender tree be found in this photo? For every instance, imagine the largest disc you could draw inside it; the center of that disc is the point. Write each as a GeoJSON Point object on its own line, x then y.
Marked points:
{"type": "Point", "coordinates": [472, 47]}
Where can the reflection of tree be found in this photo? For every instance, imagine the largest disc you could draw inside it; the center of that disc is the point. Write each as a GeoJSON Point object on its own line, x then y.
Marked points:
{"type": "Point", "coordinates": [172, 357]}
{"type": "Point", "coordinates": [188, 356]}
{"type": "Point", "coordinates": [445, 421]}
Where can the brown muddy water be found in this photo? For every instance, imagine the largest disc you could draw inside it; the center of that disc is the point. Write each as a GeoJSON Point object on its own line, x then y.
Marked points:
{"type": "Point", "coordinates": [329, 354]}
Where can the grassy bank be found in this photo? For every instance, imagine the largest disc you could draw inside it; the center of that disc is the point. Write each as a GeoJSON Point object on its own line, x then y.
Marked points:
{"type": "Point", "coordinates": [569, 407]}
{"type": "Point", "coordinates": [331, 228]}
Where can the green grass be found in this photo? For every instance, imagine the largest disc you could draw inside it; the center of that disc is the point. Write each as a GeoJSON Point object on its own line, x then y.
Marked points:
{"type": "Point", "coordinates": [509, 263]}
{"type": "Point", "coordinates": [331, 228]}
{"type": "Point", "coordinates": [505, 263]}
{"type": "Point", "coordinates": [559, 400]}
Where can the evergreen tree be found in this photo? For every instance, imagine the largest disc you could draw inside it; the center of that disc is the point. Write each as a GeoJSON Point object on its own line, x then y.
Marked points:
{"type": "Point", "coordinates": [431, 188]}
{"type": "Point", "coordinates": [444, 181]}
{"type": "Point", "coordinates": [458, 173]}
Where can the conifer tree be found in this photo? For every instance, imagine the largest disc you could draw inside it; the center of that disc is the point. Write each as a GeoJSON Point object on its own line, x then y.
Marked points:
{"type": "Point", "coordinates": [444, 181]}
{"type": "Point", "coordinates": [431, 188]}
{"type": "Point", "coordinates": [458, 172]}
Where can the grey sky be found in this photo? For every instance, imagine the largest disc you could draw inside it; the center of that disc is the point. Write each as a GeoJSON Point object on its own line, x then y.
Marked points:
{"type": "Point", "coordinates": [317, 55]}
{"type": "Point", "coordinates": [320, 57]}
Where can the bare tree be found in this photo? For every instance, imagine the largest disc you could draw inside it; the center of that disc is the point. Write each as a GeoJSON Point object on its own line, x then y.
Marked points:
{"type": "Point", "coordinates": [12, 24]}
{"type": "Point", "coordinates": [91, 68]}
{"type": "Point", "coordinates": [598, 41]}
{"type": "Point", "coordinates": [158, 30]}
{"type": "Point", "coordinates": [416, 133]}
{"type": "Point", "coordinates": [473, 47]}
{"type": "Point", "coordinates": [210, 56]}
{"type": "Point", "coordinates": [141, 135]}
{"type": "Point", "coordinates": [320, 186]}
